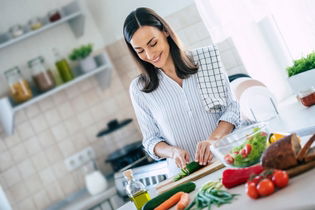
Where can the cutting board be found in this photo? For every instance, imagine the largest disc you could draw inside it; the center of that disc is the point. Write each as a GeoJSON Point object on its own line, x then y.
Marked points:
{"type": "Point", "coordinates": [299, 169]}
{"type": "Point", "coordinates": [169, 183]}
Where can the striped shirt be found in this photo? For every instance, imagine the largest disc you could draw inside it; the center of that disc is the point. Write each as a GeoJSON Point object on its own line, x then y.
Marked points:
{"type": "Point", "coordinates": [176, 115]}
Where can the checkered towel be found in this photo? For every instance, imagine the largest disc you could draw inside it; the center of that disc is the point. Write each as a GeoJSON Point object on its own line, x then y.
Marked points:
{"type": "Point", "coordinates": [211, 78]}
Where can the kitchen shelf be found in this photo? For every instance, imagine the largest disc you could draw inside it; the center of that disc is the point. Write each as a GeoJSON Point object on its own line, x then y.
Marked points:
{"type": "Point", "coordinates": [8, 109]}
{"type": "Point", "coordinates": [70, 13]}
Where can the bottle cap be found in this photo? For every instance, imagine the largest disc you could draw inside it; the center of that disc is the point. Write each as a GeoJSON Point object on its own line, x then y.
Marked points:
{"type": "Point", "coordinates": [128, 174]}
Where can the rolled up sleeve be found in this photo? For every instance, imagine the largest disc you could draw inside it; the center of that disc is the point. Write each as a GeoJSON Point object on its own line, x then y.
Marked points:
{"type": "Point", "coordinates": [149, 128]}
{"type": "Point", "coordinates": [231, 113]}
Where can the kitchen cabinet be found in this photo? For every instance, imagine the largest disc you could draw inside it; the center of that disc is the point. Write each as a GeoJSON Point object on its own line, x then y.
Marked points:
{"type": "Point", "coordinates": [72, 15]}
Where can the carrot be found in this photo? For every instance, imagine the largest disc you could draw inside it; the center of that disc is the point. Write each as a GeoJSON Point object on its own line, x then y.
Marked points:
{"type": "Point", "coordinates": [170, 202]}
{"type": "Point", "coordinates": [183, 202]}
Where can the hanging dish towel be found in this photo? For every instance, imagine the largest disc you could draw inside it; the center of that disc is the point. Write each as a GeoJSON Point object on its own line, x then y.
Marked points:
{"type": "Point", "coordinates": [211, 78]}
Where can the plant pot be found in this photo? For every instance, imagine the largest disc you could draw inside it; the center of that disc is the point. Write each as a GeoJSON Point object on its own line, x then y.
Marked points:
{"type": "Point", "coordinates": [302, 81]}
{"type": "Point", "coordinates": [88, 64]}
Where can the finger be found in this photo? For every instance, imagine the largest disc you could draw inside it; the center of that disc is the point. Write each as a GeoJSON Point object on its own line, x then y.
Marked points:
{"type": "Point", "coordinates": [183, 160]}
{"type": "Point", "coordinates": [202, 154]}
{"type": "Point", "coordinates": [187, 158]}
{"type": "Point", "coordinates": [207, 155]}
{"type": "Point", "coordinates": [197, 152]}
{"type": "Point", "coordinates": [177, 162]}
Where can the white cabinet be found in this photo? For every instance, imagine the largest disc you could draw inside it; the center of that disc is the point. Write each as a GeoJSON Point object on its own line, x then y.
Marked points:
{"type": "Point", "coordinates": [72, 15]}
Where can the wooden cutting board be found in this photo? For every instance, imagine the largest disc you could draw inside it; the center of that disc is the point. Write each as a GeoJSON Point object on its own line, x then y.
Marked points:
{"type": "Point", "coordinates": [299, 169]}
{"type": "Point", "coordinates": [169, 183]}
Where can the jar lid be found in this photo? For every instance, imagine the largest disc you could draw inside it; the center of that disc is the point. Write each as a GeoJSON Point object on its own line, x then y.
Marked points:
{"type": "Point", "coordinates": [306, 92]}
{"type": "Point", "coordinates": [11, 71]}
{"type": "Point", "coordinates": [36, 60]}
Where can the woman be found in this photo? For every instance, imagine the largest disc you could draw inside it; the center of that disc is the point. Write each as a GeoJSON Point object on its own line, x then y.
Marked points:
{"type": "Point", "coordinates": [170, 96]}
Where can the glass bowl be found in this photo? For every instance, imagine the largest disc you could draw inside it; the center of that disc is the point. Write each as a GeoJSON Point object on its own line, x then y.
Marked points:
{"type": "Point", "coordinates": [243, 147]}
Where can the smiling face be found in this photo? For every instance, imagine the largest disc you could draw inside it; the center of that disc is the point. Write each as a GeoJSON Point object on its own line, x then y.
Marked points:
{"type": "Point", "coordinates": [151, 46]}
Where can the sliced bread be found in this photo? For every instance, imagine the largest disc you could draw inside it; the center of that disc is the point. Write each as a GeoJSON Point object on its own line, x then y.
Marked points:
{"type": "Point", "coordinates": [304, 151]}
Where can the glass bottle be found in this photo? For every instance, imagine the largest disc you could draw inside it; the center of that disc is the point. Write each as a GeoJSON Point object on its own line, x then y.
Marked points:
{"type": "Point", "coordinates": [19, 87]}
{"type": "Point", "coordinates": [63, 67]}
{"type": "Point", "coordinates": [136, 190]}
{"type": "Point", "coordinates": [42, 76]}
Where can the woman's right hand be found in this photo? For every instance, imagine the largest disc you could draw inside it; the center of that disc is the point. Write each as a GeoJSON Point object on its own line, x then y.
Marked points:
{"type": "Point", "coordinates": [181, 157]}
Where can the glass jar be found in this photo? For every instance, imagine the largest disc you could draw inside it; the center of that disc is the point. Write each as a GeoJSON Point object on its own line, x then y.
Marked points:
{"type": "Point", "coordinates": [19, 87]}
{"type": "Point", "coordinates": [16, 31]}
{"type": "Point", "coordinates": [307, 97]}
{"type": "Point", "coordinates": [42, 76]}
{"type": "Point", "coordinates": [63, 67]}
{"type": "Point", "coordinates": [35, 23]}
{"type": "Point", "coordinates": [54, 15]}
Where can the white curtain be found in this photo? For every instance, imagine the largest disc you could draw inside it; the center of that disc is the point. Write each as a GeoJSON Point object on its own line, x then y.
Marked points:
{"type": "Point", "coordinates": [268, 34]}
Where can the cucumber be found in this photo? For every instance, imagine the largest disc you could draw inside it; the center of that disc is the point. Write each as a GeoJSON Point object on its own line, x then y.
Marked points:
{"type": "Point", "coordinates": [153, 203]}
{"type": "Point", "coordinates": [190, 168]}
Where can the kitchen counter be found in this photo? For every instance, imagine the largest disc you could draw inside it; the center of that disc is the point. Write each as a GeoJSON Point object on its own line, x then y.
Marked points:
{"type": "Point", "coordinates": [297, 195]}
{"type": "Point", "coordinates": [292, 117]}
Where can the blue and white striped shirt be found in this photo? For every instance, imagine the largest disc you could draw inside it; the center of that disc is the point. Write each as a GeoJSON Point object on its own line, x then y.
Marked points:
{"type": "Point", "coordinates": [176, 115]}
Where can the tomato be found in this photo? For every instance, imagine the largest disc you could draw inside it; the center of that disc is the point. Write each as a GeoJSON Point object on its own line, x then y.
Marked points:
{"type": "Point", "coordinates": [248, 148]}
{"type": "Point", "coordinates": [263, 133]}
{"type": "Point", "coordinates": [280, 178]}
{"type": "Point", "coordinates": [257, 179]}
{"type": "Point", "coordinates": [243, 153]}
{"type": "Point", "coordinates": [251, 190]}
{"type": "Point", "coordinates": [229, 159]}
{"type": "Point", "coordinates": [265, 187]}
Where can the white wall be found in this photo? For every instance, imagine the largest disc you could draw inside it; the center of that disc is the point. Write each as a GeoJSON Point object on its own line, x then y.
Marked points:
{"type": "Point", "coordinates": [109, 15]}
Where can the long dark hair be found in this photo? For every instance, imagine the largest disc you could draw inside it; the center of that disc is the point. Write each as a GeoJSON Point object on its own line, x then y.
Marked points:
{"type": "Point", "coordinates": [184, 65]}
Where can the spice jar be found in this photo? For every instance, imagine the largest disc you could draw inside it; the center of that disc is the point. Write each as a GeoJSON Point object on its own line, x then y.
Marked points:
{"type": "Point", "coordinates": [307, 97]}
{"type": "Point", "coordinates": [63, 67]}
{"type": "Point", "coordinates": [16, 31]}
{"type": "Point", "coordinates": [20, 88]}
{"type": "Point", "coordinates": [35, 23]}
{"type": "Point", "coordinates": [42, 76]}
{"type": "Point", "coordinates": [54, 15]}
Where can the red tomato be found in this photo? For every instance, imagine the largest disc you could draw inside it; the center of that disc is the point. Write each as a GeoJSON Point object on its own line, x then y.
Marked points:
{"type": "Point", "coordinates": [229, 159]}
{"type": "Point", "coordinates": [243, 153]}
{"type": "Point", "coordinates": [251, 190]}
{"type": "Point", "coordinates": [265, 187]}
{"type": "Point", "coordinates": [263, 133]}
{"type": "Point", "coordinates": [248, 148]}
{"type": "Point", "coordinates": [257, 179]}
{"type": "Point", "coordinates": [280, 178]}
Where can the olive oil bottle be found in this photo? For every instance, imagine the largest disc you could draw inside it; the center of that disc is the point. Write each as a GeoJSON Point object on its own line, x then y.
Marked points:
{"type": "Point", "coordinates": [136, 190]}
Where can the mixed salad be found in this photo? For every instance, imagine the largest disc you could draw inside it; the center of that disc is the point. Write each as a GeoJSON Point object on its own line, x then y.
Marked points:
{"type": "Point", "coordinates": [249, 152]}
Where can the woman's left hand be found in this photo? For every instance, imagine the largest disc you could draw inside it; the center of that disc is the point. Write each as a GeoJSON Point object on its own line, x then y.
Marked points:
{"type": "Point", "coordinates": [203, 154]}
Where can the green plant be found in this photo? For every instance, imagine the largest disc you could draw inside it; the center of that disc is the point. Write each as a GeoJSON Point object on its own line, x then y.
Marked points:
{"type": "Point", "coordinates": [81, 52]}
{"type": "Point", "coordinates": [301, 65]}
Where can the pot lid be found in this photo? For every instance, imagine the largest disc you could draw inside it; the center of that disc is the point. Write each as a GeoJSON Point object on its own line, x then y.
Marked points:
{"type": "Point", "coordinates": [112, 126]}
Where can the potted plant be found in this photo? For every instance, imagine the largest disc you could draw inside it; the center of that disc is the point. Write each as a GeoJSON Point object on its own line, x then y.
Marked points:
{"type": "Point", "coordinates": [82, 55]}
{"type": "Point", "coordinates": [302, 73]}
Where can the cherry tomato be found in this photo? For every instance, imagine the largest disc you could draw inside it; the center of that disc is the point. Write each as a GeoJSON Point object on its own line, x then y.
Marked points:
{"type": "Point", "coordinates": [265, 187]}
{"type": "Point", "coordinates": [280, 178]}
{"type": "Point", "coordinates": [257, 179]}
{"type": "Point", "coordinates": [248, 148]}
{"type": "Point", "coordinates": [251, 190]}
{"type": "Point", "coordinates": [229, 159]}
{"type": "Point", "coordinates": [263, 133]}
{"type": "Point", "coordinates": [243, 153]}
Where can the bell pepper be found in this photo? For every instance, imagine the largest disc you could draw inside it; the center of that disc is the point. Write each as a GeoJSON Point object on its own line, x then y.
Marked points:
{"type": "Point", "coordinates": [234, 177]}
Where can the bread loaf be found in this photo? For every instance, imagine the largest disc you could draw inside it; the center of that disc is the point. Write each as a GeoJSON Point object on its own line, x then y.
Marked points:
{"type": "Point", "coordinates": [310, 155]}
{"type": "Point", "coordinates": [282, 154]}
{"type": "Point", "coordinates": [304, 151]}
